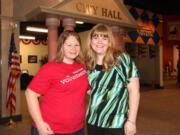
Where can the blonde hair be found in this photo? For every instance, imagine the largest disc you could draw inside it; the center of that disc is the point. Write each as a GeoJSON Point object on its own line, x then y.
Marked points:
{"type": "Point", "coordinates": [111, 57]}
{"type": "Point", "coordinates": [62, 38]}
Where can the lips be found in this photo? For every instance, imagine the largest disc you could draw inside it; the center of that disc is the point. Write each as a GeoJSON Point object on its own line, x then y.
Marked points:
{"type": "Point", "coordinates": [73, 53]}
{"type": "Point", "coordinates": [100, 46]}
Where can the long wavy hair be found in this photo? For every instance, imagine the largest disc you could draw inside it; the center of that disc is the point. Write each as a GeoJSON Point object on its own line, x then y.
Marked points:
{"type": "Point", "coordinates": [62, 38]}
{"type": "Point", "coordinates": [111, 57]}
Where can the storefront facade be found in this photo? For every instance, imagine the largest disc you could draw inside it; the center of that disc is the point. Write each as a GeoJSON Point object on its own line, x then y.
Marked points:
{"type": "Point", "coordinates": [54, 12]}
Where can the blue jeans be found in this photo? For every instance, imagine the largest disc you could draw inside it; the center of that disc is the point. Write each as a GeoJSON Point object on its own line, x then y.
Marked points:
{"type": "Point", "coordinates": [34, 131]}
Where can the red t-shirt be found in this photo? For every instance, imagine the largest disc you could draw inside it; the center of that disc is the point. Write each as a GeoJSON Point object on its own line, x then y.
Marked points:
{"type": "Point", "coordinates": [63, 88]}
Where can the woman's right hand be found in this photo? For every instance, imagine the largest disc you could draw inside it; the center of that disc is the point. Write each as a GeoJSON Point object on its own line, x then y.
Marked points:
{"type": "Point", "coordinates": [44, 129]}
{"type": "Point", "coordinates": [34, 109]}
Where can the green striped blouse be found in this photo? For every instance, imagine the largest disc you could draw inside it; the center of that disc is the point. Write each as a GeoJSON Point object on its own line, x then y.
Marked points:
{"type": "Point", "coordinates": [108, 105]}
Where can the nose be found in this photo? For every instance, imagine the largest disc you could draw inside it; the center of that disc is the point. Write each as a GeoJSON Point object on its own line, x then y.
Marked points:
{"type": "Point", "coordinates": [99, 40]}
{"type": "Point", "coordinates": [74, 48]}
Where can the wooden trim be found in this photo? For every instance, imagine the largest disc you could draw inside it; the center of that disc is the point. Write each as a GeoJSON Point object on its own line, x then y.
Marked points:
{"type": "Point", "coordinates": [6, 119]}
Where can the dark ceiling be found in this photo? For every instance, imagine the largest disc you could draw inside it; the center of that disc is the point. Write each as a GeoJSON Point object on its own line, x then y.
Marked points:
{"type": "Point", "coordinates": [166, 7]}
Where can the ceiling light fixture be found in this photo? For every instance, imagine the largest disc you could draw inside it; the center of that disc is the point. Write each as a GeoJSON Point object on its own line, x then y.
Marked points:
{"type": "Point", "coordinates": [36, 29]}
{"type": "Point", "coordinates": [26, 37]}
{"type": "Point", "coordinates": [79, 22]}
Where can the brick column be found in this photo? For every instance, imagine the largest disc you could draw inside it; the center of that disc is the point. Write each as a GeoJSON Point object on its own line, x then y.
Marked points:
{"type": "Point", "coordinates": [52, 22]}
{"type": "Point", "coordinates": [118, 33]}
{"type": "Point", "coordinates": [68, 23]}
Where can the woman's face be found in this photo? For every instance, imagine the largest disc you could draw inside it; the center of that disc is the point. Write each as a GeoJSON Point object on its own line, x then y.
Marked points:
{"type": "Point", "coordinates": [100, 44]}
{"type": "Point", "coordinates": [71, 49]}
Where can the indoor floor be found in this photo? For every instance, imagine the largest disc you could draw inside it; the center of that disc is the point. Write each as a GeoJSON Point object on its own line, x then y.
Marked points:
{"type": "Point", "coordinates": [159, 113]}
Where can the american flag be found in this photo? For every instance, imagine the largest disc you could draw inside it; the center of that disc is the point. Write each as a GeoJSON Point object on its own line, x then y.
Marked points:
{"type": "Point", "coordinates": [14, 73]}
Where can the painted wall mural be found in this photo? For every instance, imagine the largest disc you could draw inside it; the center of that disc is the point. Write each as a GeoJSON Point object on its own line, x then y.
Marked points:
{"type": "Point", "coordinates": [151, 32]}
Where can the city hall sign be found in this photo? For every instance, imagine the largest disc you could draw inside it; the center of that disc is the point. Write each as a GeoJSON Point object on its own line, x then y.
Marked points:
{"type": "Point", "coordinates": [94, 10]}
{"type": "Point", "coordinates": [112, 12]}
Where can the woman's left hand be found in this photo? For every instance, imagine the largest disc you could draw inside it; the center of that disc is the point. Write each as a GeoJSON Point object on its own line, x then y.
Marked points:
{"type": "Point", "coordinates": [129, 128]}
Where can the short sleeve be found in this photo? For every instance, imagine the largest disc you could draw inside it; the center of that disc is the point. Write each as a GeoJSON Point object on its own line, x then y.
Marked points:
{"type": "Point", "coordinates": [41, 82]}
{"type": "Point", "coordinates": [132, 69]}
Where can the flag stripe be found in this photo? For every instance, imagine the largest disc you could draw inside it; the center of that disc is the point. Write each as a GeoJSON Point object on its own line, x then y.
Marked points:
{"type": "Point", "coordinates": [13, 73]}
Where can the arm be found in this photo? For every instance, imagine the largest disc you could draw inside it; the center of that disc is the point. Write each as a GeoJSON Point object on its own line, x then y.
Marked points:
{"type": "Point", "coordinates": [34, 110]}
{"type": "Point", "coordinates": [134, 97]}
{"type": "Point", "coordinates": [89, 90]}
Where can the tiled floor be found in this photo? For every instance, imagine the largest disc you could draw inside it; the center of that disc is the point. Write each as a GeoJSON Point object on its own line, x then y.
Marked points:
{"type": "Point", "coordinates": [159, 113]}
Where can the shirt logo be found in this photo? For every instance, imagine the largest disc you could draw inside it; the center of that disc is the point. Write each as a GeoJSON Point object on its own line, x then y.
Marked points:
{"type": "Point", "coordinates": [76, 74]}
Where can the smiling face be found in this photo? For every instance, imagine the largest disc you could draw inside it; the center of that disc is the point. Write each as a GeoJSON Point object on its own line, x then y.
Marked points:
{"type": "Point", "coordinates": [100, 44]}
{"type": "Point", "coordinates": [71, 49]}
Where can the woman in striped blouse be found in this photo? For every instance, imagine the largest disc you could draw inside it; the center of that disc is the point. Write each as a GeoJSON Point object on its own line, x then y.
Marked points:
{"type": "Point", "coordinates": [113, 77]}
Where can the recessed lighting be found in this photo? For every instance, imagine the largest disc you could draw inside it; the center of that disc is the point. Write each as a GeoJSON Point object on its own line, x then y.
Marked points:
{"type": "Point", "coordinates": [26, 37]}
{"type": "Point", "coordinates": [37, 29]}
{"type": "Point", "coordinates": [79, 22]}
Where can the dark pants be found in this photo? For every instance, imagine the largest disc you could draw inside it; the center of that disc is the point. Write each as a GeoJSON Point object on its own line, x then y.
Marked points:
{"type": "Point", "coordinates": [34, 131]}
{"type": "Point", "coordinates": [94, 130]}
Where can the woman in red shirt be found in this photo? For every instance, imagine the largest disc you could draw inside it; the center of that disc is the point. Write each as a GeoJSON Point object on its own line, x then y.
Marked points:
{"type": "Point", "coordinates": [62, 84]}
